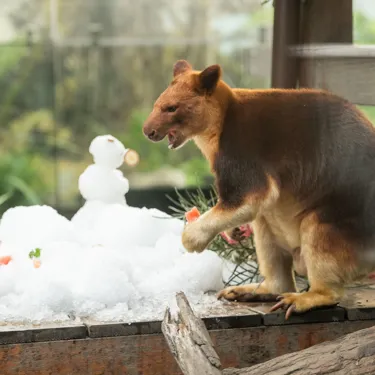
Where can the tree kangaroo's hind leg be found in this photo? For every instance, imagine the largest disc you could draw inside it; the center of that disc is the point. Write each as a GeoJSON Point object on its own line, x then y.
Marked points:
{"type": "Point", "coordinates": [329, 259]}
{"type": "Point", "coordinates": [276, 266]}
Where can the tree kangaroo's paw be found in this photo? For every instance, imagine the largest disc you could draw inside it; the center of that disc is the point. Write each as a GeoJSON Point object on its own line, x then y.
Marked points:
{"type": "Point", "coordinates": [247, 293]}
{"type": "Point", "coordinates": [194, 238]}
{"type": "Point", "coordinates": [302, 302]}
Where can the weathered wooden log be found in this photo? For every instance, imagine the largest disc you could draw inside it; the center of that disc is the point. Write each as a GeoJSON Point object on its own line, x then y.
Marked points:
{"type": "Point", "coordinates": [352, 354]}
{"type": "Point", "coordinates": [189, 341]}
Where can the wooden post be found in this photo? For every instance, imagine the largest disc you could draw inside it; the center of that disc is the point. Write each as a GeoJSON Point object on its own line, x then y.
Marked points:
{"type": "Point", "coordinates": [285, 34]}
{"type": "Point", "coordinates": [323, 22]}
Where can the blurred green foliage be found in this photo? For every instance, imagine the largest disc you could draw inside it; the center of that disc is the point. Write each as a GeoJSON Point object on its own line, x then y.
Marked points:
{"type": "Point", "coordinates": [364, 29]}
{"type": "Point", "coordinates": [369, 111]}
{"type": "Point", "coordinates": [56, 100]}
{"type": "Point", "coordinates": [20, 183]}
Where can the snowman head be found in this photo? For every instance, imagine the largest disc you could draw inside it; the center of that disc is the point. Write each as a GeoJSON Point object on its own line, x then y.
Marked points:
{"type": "Point", "coordinates": [107, 151]}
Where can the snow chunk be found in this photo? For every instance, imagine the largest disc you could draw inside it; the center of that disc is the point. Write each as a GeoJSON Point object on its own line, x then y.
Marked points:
{"type": "Point", "coordinates": [30, 227]}
{"type": "Point", "coordinates": [111, 262]}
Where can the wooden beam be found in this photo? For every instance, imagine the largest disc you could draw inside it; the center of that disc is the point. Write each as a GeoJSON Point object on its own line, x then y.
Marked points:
{"type": "Point", "coordinates": [333, 50]}
{"type": "Point", "coordinates": [323, 22]}
{"type": "Point", "coordinates": [343, 69]}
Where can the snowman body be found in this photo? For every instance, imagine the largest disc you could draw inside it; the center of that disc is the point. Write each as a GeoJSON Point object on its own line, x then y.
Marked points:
{"type": "Point", "coordinates": [102, 181]}
{"type": "Point", "coordinates": [98, 183]}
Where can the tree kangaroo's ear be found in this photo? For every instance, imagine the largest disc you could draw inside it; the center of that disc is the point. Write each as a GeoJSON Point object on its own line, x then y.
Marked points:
{"type": "Point", "coordinates": [181, 66]}
{"type": "Point", "coordinates": [209, 78]}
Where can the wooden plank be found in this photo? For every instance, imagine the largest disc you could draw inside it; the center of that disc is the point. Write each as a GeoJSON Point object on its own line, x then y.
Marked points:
{"type": "Point", "coordinates": [253, 319]}
{"type": "Point", "coordinates": [359, 303]}
{"type": "Point", "coordinates": [149, 354]}
{"type": "Point", "coordinates": [13, 334]}
{"type": "Point", "coordinates": [99, 329]}
{"type": "Point", "coordinates": [222, 316]}
{"type": "Point", "coordinates": [227, 315]}
{"type": "Point", "coordinates": [352, 78]}
{"type": "Point", "coordinates": [230, 315]}
{"type": "Point", "coordinates": [332, 51]}
{"type": "Point", "coordinates": [345, 70]}
{"type": "Point", "coordinates": [330, 314]}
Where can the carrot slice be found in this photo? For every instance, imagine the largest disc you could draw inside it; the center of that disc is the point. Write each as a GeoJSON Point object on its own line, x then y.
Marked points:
{"type": "Point", "coordinates": [4, 260]}
{"type": "Point", "coordinates": [192, 215]}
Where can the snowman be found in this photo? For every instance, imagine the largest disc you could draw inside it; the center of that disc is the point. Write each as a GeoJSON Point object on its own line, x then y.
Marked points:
{"type": "Point", "coordinates": [102, 184]}
{"type": "Point", "coordinates": [102, 181]}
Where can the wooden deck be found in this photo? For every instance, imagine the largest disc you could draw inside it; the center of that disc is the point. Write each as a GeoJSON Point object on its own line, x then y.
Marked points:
{"type": "Point", "coordinates": [243, 334]}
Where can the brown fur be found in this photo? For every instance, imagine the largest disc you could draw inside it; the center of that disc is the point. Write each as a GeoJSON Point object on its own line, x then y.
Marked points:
{"type": "Point", "coordinates": [298, 164]}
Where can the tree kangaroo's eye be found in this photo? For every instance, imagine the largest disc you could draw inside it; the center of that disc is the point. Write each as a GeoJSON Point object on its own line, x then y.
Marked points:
{"type": "Point", "coordinates": [172, 108]}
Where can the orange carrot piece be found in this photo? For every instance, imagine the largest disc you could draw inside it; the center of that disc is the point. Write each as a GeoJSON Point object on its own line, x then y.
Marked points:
{"type": "Point", "coordinates": [4, 260]}
{"type": "Point", "coordinates": [192, 215]}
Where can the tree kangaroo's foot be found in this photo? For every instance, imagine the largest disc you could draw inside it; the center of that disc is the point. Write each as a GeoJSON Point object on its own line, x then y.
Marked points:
{"type": "Point", "coordinates": [248, 293]}
{"type": "Point", "coordinates": [302, 302]}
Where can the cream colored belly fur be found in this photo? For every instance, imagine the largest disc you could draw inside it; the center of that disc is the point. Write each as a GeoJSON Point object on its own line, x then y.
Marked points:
{"type": "Point", "coordinates": [282, 224]}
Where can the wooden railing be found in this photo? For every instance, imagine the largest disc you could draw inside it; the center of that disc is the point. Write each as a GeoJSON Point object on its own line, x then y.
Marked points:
{"type": "Point", "coordinates": [345, 69]}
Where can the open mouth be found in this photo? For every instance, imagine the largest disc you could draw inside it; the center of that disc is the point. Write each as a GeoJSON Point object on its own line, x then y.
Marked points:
{"type": "Point", "coordinates": [174, 139]}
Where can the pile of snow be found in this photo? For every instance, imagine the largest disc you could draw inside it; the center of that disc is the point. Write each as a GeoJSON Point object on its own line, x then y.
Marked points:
{"type": "Point", "coordinates": [111, 263]}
